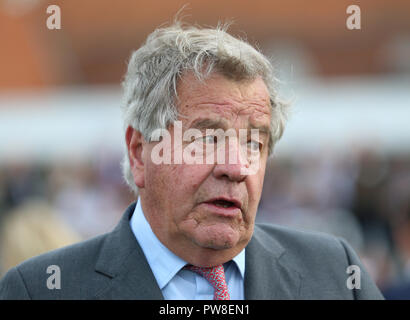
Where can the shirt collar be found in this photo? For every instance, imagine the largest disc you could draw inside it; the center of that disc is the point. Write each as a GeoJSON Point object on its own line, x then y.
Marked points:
{"type": "Point", "coordinates": [240, 262]}
{"type": "Point", "coordinates": [163, 262]}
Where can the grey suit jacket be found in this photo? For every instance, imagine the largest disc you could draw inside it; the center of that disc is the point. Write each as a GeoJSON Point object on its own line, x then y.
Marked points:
{"type": "Point", "coordinates": [280, 263]}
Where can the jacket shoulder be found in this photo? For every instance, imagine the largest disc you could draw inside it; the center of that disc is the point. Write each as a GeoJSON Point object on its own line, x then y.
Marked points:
{"type": "Point", "coordinates": [297, 240]}
{"type": "Point", "coordinates": [322, 260]}
{"type": "Point", "coordinates": [306, 251]}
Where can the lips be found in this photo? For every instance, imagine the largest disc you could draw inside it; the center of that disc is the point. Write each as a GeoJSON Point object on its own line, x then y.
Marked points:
{"type": "Point", "coordinates": [225, 206]}
{"type": "Point", "coordinates": [225, 202]}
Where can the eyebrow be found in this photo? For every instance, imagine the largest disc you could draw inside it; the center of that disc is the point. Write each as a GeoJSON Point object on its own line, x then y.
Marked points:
{"type": "Point", "coordinates": [203, 124]}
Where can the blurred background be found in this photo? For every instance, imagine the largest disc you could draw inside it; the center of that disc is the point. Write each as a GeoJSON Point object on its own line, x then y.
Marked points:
{"type": "Point", "coordinates": [342, 167]}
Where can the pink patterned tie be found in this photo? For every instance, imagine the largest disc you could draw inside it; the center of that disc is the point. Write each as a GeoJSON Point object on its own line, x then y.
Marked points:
{"type": "Point", "coordinates": [216, 277]}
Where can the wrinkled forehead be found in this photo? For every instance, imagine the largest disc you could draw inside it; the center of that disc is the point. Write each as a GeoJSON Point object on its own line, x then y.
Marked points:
{"type": "Point", "coordinates": [246, 103]}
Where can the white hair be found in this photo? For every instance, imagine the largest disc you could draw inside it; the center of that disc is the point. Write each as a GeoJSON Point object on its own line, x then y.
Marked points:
{"type": "Point", "coordinates": [150, 84]}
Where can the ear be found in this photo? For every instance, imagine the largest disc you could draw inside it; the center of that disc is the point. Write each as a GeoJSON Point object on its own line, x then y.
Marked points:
{"type": "Point", "coordinates": [135, 145]}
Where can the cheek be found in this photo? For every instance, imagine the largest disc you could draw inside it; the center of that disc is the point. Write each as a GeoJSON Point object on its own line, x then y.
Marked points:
{"type": "Point", "coordinates": [176, 183]}
{"type": "Point", "coordinates": [189, 178]}
{"type": "Point", "coordinates": [255, 186]}
{"type": "Point", "coordinates": [156, 186]}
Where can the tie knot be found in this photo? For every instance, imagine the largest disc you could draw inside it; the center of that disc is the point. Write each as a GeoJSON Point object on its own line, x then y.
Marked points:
{"type": "Point", "coordinates": [216, 277]}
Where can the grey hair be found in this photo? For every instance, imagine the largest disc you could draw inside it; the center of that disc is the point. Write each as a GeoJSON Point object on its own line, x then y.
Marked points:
{"type": "Point", "coordinates": [150, 84]}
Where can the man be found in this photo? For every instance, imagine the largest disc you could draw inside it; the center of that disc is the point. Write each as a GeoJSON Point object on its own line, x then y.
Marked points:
{"type": "Point", "coordinates": [191, 233]}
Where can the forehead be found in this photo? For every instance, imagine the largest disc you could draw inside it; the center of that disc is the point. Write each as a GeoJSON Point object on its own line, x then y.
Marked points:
{"type": "Point", "coordinates": [219, 97]}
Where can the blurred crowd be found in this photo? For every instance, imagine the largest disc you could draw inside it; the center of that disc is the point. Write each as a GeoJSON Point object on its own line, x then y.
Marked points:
{"type": "Point", "coordinates": [363, 197]}
{"type": "Point", "coordinates": [53, 205]}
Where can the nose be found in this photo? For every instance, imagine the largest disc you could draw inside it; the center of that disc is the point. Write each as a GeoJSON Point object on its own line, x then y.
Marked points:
{"type": "Point", "coordinates": [233, 165]}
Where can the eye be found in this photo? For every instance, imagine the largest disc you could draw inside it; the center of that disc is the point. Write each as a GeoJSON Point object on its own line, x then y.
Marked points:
{"type": "Point", "coordinates": [210, 139]}
{"type": "Point", "coordinates": [254, 145]}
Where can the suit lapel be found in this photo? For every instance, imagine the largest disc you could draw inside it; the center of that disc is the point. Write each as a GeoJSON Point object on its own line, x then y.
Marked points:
{"type": "Point", "coordinates": [267, 275]}
{"type": "Point", "coordinates": [122, 259]}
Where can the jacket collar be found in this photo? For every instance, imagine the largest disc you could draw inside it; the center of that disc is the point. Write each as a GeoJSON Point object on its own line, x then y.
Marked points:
{"type": "Point", "coordinates": [121, 258]}
{"type": "Point", "coordinates": [267, 274]}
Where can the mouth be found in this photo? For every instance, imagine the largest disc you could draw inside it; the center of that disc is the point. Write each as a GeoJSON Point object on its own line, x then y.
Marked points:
{"type": "Point", "coordinates": [225, 203]}
{"type": "Point", "coordinates": [227, 207]}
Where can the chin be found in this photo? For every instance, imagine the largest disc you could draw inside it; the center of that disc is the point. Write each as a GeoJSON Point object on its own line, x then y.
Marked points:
{"type": "Point", "coordinates": [217, 240]}
{"type": "Point", "coordinates": [216, 245]}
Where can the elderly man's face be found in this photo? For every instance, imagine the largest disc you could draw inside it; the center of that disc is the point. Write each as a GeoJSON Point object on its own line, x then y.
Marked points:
{"type": "Point", "coordinates": [205, 213]}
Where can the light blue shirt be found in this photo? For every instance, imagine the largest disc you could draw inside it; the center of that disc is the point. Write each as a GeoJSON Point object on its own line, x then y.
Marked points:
{"type": "Point", "coordinates": [177, 283]}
